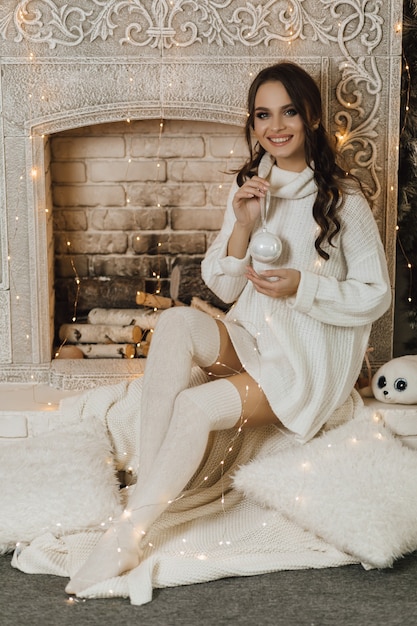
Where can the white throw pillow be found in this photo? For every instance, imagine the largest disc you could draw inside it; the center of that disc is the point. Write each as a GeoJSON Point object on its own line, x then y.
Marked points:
{"type": "Point", "coordinates": [59, 482]}
{"type": "Point", "coordinates": [354, 486]}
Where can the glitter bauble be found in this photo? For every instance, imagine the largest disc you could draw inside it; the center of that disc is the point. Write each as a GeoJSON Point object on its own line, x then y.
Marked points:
{"type": "Point", "coordinates": [265, 247]}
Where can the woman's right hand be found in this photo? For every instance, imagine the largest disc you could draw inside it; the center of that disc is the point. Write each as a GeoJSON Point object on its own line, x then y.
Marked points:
{"type": "Point", "coordinates": [246, 201]}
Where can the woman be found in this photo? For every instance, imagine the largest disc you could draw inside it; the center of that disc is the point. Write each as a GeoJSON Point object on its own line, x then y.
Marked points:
{"type": "Point", "coordinates": [305, 295]}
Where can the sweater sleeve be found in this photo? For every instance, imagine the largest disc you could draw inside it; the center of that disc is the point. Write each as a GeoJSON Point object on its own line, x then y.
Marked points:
{"type": "Point", "coordinates": [364, 294]}
{"type": "Point", "coordinates": [223, 274]}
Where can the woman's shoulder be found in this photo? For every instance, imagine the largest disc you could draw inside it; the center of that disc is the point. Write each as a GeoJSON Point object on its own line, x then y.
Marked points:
{"type": "Point", "coordinates": [353, 196]}
{"type": "Point", "coordinates": [355, 213]}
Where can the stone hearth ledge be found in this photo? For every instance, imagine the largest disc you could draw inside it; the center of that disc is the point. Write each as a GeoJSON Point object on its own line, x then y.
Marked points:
{"type": "Point", "coordinates": [79, 374]}
{"type": "Point", "coordinates": [27, 410]}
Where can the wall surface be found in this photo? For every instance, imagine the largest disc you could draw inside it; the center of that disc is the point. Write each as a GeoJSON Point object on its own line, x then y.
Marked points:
{"type": "Point", "coordinates": [66, 65]}
{"type": "Point", "coordinates": [131, 200]}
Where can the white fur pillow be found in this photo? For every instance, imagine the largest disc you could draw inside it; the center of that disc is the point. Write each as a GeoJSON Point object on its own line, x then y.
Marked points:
{"type": "Point", "coordinates": [354, 486]}
{"type": "Point", "coordinates": [60, 482]}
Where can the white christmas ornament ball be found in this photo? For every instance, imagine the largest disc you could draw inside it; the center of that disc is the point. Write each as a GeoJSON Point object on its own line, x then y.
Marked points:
{"type": "Point", "coordinates": [265, 247]}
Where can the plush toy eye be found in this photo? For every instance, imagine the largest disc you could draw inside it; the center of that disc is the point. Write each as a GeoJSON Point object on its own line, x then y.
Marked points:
{"type": "Point", "coordinates": [400, 384]}
{"type": "Point", "coordinates": [382, 382]}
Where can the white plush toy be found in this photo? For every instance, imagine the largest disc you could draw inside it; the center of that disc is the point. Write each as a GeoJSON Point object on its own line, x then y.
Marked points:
{"type": "Point", "coordinates": [396, 381]}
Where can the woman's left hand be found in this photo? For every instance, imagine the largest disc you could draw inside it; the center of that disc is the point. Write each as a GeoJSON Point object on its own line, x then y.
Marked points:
{"type": "Point", "coordinates": [275, 283]}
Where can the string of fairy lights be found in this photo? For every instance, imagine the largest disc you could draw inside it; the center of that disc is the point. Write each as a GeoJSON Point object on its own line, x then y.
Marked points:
{"type": "Point", "coordinates": [157, 275]}
{"type": "Point", "coordinates": [406, 95]}
{"type": "Point", "coordinates": [35, 90]}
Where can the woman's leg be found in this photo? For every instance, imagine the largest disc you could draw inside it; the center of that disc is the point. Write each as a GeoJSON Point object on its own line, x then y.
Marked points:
{"type": "Point", "coordinates": [183, 336]}
{"type": "Point", "coordinates": [197, 411]}
{"type": "Point", "coordinates": [224, 403]}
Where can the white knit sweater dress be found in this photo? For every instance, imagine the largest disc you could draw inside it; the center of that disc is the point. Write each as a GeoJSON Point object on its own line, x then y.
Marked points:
{"type": "Point", "coordinates": [305, 351]}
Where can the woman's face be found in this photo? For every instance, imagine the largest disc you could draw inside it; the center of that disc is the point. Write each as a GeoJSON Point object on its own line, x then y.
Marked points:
{"type": "Point", "coordinates": [279, 127]}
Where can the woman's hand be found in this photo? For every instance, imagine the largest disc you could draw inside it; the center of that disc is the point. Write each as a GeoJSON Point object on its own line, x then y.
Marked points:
{"type": "Point", "coordinates": [246, 201]}
{"type": "Point", "coordinates": [275, 283]}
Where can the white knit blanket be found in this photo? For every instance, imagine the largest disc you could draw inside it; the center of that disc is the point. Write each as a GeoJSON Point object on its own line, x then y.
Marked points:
{"type": "Point", "coordinates": [217, 529]}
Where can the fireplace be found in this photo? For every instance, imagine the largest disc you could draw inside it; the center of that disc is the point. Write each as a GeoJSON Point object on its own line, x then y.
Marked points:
{"type": "Point", "coordinates": [131, 200]}
{"type": "Point", "coordinates": [88, 71]}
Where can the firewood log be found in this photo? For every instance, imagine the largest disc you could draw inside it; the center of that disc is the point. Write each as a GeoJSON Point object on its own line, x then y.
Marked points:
{"type": "Point", "coordinates": [156, 302]}
{"type": "Point", "coordinates": [108, 350]}
{"type": "Point", "coordinates": [206, 307]}
{"type": "Point", "coordinates": [99, 333]}
{"type": "Point", "coordinates": [142, 348]}
{"type": "Point", "coordinates": [145, 318]}
{"type": "Point", "coordinates": [68, 352]}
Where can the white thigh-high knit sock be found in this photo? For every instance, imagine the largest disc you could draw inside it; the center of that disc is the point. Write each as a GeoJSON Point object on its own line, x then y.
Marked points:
{"type": "Point", "coordinates": [183, 336]}
{"type": "Point", "coordinates": [198, 411]}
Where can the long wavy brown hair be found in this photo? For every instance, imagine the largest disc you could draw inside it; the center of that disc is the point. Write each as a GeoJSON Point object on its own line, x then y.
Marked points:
{"type": "Point", "coordinates": [319, 149]}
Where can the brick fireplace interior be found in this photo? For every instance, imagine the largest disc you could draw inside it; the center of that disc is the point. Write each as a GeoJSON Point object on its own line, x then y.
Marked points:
{"type": "Point", "coordinates": [131, 199]}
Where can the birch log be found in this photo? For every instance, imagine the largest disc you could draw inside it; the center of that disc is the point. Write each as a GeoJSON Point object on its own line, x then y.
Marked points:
{"type": "Point", "coordinates": [206, 307]}
{"type": "Point", "coordinates": [144, 318]}
{"type": "Point", "coordinates": [99, 333]}
{"type": "Point", "coordinates": [108, 351]}
{"type": "Point", "coordinates": [142, 349]}
{"type": "Point", "coordinates": [154, 301]}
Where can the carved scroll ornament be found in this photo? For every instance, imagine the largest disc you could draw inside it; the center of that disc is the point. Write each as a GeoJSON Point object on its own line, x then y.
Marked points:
{"type": "Point", "coordinates": [355, 27]}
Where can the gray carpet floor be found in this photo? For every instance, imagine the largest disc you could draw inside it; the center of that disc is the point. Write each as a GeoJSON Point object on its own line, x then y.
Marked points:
{"type": "Point", "coordinates": [345, 596]}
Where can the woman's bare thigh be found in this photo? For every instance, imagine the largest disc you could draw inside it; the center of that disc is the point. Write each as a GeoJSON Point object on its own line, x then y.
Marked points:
{"type": "Point", "coordinates": [227, 363]}
{"type": "Point", "coordinates": [256, 410]}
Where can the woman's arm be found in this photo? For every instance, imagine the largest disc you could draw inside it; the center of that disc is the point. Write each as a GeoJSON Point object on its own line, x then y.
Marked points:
{"type": "Point", "coordinates": [364, 294]}
{"type": "Point", "coordinates": [223, 268]}
{"type": "Point", "coordinates": [246, 203]}
{"type": "Point", "coordinates": [361, 297]}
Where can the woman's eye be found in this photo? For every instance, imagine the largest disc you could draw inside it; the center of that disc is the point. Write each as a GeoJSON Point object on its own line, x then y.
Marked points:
{"type": "Point", "coordinates": [291, 112]}
{"type": "Point", "coordinates": [262, 116]}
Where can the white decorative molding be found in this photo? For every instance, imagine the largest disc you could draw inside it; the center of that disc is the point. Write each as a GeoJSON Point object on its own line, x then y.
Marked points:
{"type": "Point", "coordinates": [165, 24]}
{"type": "Point", "coordinates": [5, 338]}
{"type": "Point", "coordinates": [351, 29]}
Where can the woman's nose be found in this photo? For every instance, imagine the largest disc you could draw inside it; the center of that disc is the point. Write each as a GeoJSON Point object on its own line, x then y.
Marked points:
{"type": "Point", "coordinates": [276, 124]}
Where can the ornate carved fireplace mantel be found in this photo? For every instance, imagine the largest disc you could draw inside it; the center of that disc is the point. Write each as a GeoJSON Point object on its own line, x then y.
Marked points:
{"type": "Point", "coordinates": [66, 65]}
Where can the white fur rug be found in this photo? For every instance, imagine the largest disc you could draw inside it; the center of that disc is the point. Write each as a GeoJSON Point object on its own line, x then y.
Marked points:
{"type": "Point", "coordinates": [355, 487]}
{"type": "Point", "coordinates": [60, 482]}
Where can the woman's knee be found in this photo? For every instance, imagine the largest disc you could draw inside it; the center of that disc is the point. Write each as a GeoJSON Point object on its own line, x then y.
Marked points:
{"type": "Point", "coordinates": [180, 319]}
{"type": "Point", "coordinates": [227, 363]}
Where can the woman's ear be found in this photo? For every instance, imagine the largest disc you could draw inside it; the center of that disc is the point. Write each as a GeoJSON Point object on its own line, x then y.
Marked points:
{"type": "Point", "coordinates": [315, 125]}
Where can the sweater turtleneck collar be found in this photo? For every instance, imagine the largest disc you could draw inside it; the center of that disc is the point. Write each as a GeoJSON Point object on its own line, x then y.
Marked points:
{"type": "Point", "coordinates": [285, 184]}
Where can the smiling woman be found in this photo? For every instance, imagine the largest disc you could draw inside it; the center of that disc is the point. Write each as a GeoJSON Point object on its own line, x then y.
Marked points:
{"type": "Point", "coordinates": [288, 353]}
{"type": "Point", "coordinates": [279, 128]}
